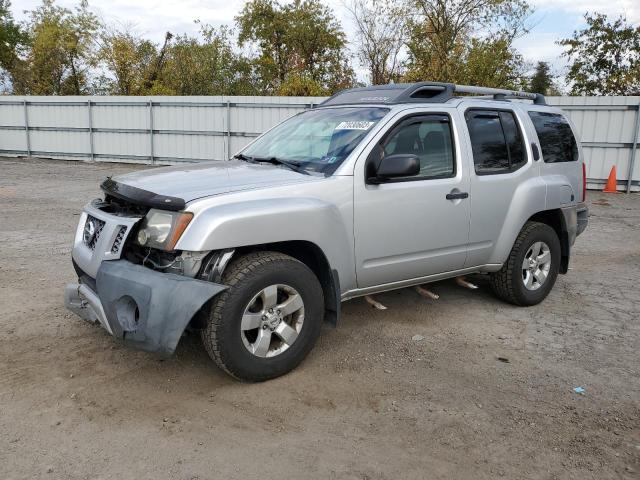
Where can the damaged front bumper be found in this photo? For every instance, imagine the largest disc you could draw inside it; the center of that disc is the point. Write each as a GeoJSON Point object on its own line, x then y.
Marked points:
{"type": "Point", "coordinates": [142, 307]}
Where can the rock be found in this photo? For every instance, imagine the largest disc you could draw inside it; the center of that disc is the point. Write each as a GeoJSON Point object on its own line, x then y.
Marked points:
{"type": "Point", "coordinates": [387, 371]}
{"type": "Point", "coordinates": [417, 338]}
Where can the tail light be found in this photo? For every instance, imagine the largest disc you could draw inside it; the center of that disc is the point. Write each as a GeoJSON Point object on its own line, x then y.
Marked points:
{"type": "Point", "coordinates": [584, 182]}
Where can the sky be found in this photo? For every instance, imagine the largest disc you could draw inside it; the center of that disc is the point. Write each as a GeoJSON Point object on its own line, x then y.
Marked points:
{"type": "Point", "coordinates": [552, 20]}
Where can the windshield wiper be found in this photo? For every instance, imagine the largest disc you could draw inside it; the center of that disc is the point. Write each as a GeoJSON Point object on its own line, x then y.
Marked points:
{"type": "Point", "coordinates": [296, 167]}
{"type": "Point", "coordinates": [241, 156]}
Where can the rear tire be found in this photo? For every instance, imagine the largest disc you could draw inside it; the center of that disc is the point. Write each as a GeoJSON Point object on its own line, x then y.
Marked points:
{"type": "Point", "coordinates": [531, 270]}
{"type": "Point", "coordinates": [269, 318]}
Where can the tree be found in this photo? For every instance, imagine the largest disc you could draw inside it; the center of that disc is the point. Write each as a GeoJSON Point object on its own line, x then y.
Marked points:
{"type": "Point", "coordinates": [12, 38]}
{"type": "Point", "coordinates": [302, 39]}
{"type": "Point", "coordinates": [445, 34]}
{"type": "Point", "coordinates": [128, 60]}
{"type": "Point", "coordinates": [381, 30]}
{"type": "Point", "coordinates": [61, 51]}
{"type": "Point", "coordinates": [492, 63]}
{"type": "Point", "coordinates": [159, 63]}
{"type": "Point", "coordinates": [206, 66]}
{"type": "Point", "coordinates": [604, 57]}
{"type": "Point", "coordinates": [542, 80]}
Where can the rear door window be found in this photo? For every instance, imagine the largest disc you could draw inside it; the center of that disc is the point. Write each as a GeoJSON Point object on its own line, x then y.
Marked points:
{"type": "Point", "coordinates": [496, 141]}
{"type": "Point", "coordinates": [556, 138]}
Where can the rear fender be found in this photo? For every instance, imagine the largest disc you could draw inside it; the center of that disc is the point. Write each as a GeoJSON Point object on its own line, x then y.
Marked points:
{"type": "Point", "coordinates": [528, 199]}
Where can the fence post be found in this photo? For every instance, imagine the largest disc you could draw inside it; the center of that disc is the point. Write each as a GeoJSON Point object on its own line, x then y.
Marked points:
{"type": "Point", "coordinates": [90, 124]}
{"type": "Point", "coordinates": [634, 147]}
{"type": "Point", "coordinates": [151, 156]}
{"type": "Point", "coordinates": [26, 128]}
{"type": "Point", "coordinates": [227, 147]}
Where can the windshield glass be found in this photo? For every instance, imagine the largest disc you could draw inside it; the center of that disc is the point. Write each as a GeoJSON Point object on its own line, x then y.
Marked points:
{"type": "Point", "coordinates": [317, 140]}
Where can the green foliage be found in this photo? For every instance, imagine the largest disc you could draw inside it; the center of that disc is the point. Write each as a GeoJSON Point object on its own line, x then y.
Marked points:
{"type": "Point", "coordinates": [61, 51]}
{"type": "Point", "coordinates": [129, 59]}
{"type": "Point", "coordinates": [604, 57]}
{"type": "Point", "coordinates": [299, 85]}
{"type": "Point", "coordinates": [542, 80]}
{"type": "Point", "coordinates": [302, 39]}
{"type": "Point", "coordinates": [467, 41]}
{"type": "Point", "coordinates": [298, 47]}
{"type": "Point", "coordinates": [492, 63]}
{"type": "Point", "coordinates": [12, 39]}
{"type": "Point", "coordinates": [207, 67]}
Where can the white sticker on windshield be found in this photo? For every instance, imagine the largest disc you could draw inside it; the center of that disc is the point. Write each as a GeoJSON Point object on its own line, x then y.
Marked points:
{"type": "Point", "coordinates": [354, 125]}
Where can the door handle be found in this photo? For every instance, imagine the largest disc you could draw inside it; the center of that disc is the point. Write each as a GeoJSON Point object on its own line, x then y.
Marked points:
{"type": "Point", "coordinates": [457, 195]}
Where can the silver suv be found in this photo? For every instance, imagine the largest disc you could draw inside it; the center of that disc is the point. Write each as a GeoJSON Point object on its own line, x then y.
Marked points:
{"type": "Point", "coordinates": [377, 189]}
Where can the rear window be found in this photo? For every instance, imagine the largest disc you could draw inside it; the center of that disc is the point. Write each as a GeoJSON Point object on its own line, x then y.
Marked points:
{"type": "Point", "coordinates": [556, 138]}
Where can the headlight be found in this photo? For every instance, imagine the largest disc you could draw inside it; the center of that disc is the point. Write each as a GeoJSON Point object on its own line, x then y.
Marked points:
{"type": "Point", "coordinates": [161, 229]}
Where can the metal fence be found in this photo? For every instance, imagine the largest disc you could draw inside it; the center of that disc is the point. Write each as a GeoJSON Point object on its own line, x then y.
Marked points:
{"type": "Point", "coordinates": [153, 130]}
{"type": "Point", "coordinates": [609, 130]}
{"type": "Point", "coordinates": [169, 130]}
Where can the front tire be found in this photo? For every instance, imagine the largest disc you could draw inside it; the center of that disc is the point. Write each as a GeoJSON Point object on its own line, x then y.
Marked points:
{"type": "Point", "coordinates": [531, 270]}
{"type": "Point", "coordinates": [269, 318]}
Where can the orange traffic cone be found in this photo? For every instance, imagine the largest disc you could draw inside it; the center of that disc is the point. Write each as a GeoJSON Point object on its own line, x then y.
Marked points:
{"type": "Point", "coordinates": [612, 184]}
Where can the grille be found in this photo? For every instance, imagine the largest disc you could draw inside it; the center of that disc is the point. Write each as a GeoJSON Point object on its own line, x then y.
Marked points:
{"type": "Point", "coordinates": [92, 229]}
{"type": "Point", "coordinates": [117, 243]}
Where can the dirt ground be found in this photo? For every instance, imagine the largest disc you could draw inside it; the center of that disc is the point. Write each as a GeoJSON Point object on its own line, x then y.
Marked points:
{"type": "Point", "coordinates": [370, 402]}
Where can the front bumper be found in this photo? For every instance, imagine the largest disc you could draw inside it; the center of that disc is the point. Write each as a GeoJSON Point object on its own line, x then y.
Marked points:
{"type": "Point", "coordinates": [142, 307]}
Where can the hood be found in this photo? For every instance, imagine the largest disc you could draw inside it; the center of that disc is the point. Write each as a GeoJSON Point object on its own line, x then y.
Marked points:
{"type": "Point", "coordinates": [193, 181]}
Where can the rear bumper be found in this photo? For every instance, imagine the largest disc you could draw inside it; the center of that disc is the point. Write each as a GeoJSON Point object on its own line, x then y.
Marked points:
{"type": "Point", "coordinates": [576, 218]}
{"type": "Point", "coordinates": [582, 212]}
{"type": "Point", "coordinates": [142, 307]}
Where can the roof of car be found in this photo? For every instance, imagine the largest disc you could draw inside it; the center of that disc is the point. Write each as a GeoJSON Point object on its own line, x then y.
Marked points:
{"type": "Point", "coordinates": [422, 92]}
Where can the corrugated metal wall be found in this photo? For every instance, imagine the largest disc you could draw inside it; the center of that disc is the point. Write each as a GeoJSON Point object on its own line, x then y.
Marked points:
{"type": "Point", "coordinates": [167, 130]}
{"type": "Point", "coordinates": [139, 129]}
{"type": "Point", "coordinates": [609, 131]}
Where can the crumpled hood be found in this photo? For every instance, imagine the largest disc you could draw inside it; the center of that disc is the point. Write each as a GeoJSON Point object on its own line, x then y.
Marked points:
{"type": "Point", "coordinates": [198, 180]}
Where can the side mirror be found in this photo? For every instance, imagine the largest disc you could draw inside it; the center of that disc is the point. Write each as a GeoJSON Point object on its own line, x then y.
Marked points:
{"type": "Point", "coordinates": [395, 166]}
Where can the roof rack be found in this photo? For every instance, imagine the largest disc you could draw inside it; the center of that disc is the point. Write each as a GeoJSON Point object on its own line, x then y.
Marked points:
{"type": "Point", "coordinates": [423, 92]}
{"type": "Point", "coordinates": [500, 94]}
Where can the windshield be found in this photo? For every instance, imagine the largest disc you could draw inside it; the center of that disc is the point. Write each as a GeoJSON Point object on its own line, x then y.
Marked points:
{"type": "Point", "coordinates": [317, 140]}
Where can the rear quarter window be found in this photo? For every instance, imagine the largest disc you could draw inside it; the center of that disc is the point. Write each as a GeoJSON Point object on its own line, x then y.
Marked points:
{"type": "Point", "coordinates": [556, 138]}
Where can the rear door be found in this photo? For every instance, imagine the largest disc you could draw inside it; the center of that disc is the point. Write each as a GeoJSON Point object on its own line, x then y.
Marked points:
{"type": "Point", "coordinates": [408, 228]}
{"type": "Point", "coordinates": [501, 162]}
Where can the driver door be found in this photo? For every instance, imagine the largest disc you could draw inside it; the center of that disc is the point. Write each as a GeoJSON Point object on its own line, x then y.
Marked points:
{"type": "Point", "coordinates": [416, 226]}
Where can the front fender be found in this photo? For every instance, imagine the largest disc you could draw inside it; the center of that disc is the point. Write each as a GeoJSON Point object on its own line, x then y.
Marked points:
{"type": "Point", "coordinates": [256, 222]}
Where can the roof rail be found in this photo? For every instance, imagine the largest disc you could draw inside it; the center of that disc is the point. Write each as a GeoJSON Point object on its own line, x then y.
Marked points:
{"type": "Point", "coordinates": [500, 94]}
{"type": "Point", "coordinates": [422, 92]}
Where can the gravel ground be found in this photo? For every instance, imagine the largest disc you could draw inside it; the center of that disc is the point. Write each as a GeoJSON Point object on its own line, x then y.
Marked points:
{"type": "Point", "coordinates": [369, 402]}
